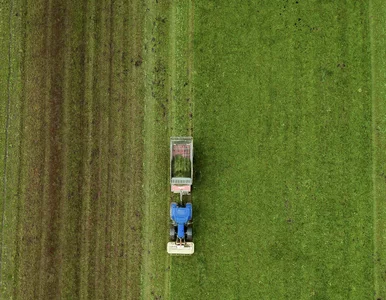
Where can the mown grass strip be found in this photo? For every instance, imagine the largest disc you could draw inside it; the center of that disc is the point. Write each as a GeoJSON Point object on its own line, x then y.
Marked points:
{"type": "Point", "coordinates": [377, 17]}
{"type": "Point", "coordinates": [155, 261]}
{"type": "Point", "coordinates": [12, 154]}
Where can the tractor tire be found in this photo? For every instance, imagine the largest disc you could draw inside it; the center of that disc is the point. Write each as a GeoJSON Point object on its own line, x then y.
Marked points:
{"type": "Point", "coordinates": [172, 233]}
{"type": "Point", "coordinates": [171, 209]}
{"type": "Point", "coordinates": [189, 234]}
{"type": "Point", "coordinates": [192, 208]}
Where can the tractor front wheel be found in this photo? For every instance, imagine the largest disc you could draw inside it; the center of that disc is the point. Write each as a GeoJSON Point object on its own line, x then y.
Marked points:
{"type": "Point", "coordinates": [189, 234]}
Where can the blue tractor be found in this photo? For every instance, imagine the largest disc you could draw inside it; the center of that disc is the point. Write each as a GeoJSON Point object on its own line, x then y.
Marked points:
{"type": "Point", "coordinates": [181, 216]}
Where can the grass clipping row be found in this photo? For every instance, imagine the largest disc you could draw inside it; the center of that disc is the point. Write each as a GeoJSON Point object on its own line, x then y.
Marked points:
{"type": "Point", "coordinates": [181, 166]}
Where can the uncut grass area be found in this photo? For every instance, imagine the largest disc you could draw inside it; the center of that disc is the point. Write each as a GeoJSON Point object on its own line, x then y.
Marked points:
{"type": "Point", "coordinates": [283, 156]}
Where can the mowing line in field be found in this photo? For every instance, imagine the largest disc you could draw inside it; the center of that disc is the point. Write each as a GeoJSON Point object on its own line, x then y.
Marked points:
{"type": "Point", "coordinates": [191, 65]}
{"type": "Point", "coordinates": [46, 95]}
{"type": "Point", "coordinates": [104, 119]}
{"type": "Point", "coordinates": [6, 140]}
{"type": "Point", "coordinates": [172, 69]}
{"type": "Point", "coordinates": [86, 226]}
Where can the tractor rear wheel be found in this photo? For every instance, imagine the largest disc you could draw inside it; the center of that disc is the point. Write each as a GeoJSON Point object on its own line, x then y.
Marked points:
{"type": "Point", "coordinates": [192, 208]}
{"type": "Point", "coordinates": [189, 234]}
{"type": "Point", "coordinates": [172, 233]}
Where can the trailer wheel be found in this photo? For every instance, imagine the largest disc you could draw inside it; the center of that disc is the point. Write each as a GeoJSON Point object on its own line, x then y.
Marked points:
{"type": "Point", "coordinates": [189, 234]}
{"type": "Point", "coordinates": [171, 204]}
{"type": "Point", "coordinates": [172, 233]}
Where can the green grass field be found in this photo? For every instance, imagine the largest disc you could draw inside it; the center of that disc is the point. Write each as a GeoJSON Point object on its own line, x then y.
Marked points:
{"type": "Point", "coordinates": [285, 102]}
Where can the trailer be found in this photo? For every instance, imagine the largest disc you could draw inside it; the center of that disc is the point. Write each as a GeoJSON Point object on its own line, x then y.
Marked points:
{"type": "Point", "coordinates": [181, 164]}
{"type": "Point", "coordinates": [181, 180]}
